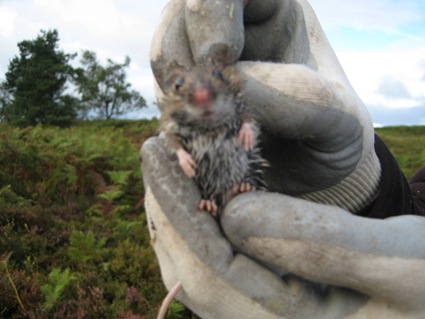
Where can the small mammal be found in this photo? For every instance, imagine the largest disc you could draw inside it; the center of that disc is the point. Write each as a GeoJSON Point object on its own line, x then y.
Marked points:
{"type": "Point", "coordinates": [211, 132]}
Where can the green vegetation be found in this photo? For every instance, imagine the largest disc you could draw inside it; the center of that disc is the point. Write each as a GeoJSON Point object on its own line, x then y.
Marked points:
{"type": "Point", "coordinates": [407, 145]}
{"type": "Point", "coordinates": [74, 242]}
{"type": "Point", "coordinates": [38, 81]}
{"type": "Point", "coordinates": [35, 84]}
{"type": "Point", "coordinates": [104, 90]}
{"type": "Point", "coordinates": [73, 234]}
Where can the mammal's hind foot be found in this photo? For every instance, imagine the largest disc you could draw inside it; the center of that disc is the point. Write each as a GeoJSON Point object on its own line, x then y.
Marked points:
{"type": "Point", "coordinates": [243, 188]}
{"type": "Point", "coordinates": [208, 205]}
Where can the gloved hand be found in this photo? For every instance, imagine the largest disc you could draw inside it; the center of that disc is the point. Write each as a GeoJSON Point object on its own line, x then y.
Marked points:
{"type": "Point", "coordinates": [317, 135]}
{"type": "Point", "coordinates": [318, 138]}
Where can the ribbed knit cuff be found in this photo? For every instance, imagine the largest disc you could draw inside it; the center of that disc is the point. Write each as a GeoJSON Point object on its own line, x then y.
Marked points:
{"type": "Point", "coordinates": [356, 191]}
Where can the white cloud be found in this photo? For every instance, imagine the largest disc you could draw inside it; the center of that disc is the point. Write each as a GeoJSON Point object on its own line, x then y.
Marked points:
{"type": "Point", "coordinates": [98, 24]}
{"type": "Point", "coordinates": [383, 15]}
{"type": "Point", "coordinates": [374, 73]}
{"type": "Point", "coordinates": [367, 70]}
{"type": "Point", "coordinates": [393, 88]}
{"type": "Point", "coordinates": [422, 66]}
{"type": "Point", "coordinates": [7, 21]}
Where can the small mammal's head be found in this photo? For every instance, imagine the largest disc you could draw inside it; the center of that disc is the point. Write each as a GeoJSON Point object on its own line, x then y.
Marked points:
{"type": "Point", "coordinates": [202, 95]}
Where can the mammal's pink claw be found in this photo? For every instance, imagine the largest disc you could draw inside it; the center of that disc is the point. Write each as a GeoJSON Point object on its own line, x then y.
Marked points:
{"type": "Point", "coordinates": [186, 163]}
{"type": "Point", "coordinates": [208, 205]}
{"type": "Point", "coordinates": [246, 136]}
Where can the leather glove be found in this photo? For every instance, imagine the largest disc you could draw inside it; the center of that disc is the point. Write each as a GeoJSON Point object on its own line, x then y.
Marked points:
{"type": "Point", "coordinates": [319, 139]}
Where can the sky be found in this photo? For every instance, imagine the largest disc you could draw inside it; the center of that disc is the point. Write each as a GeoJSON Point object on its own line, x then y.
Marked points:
{"type": "Point", "coordinates": [380, 44]}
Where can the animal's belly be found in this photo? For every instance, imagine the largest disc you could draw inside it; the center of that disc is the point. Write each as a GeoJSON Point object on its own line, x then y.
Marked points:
{"type": "Point", "coordinates": [221, 165]}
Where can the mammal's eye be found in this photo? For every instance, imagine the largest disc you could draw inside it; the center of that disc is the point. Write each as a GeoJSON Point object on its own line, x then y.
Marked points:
{"type": "Point", "coordinates": [179, 83]}
{"type": "Point", "coordinates": [218, 75]}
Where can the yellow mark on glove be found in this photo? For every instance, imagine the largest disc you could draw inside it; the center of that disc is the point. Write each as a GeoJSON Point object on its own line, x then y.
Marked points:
{"type": "Point", "coordinates": [232, 8]}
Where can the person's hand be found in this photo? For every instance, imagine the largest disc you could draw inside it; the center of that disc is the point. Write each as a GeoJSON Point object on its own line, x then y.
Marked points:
{"type": "Point", "coordinates": [316, 133]}
{"type": "Point", "coordinates": [318, 138]}
{"type": "Point", "coordinates": [369, 268]}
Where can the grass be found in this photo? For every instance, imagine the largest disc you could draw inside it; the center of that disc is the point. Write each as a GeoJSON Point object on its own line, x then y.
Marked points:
{"type": "Point", "coordinates": [407, 143]}
{"type": "Point", "coordinates": [73, 234]}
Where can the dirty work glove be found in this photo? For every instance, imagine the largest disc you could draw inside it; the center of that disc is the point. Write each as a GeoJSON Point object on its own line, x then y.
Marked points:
{"type": "Point", "coordinates": [317, 134]}
{"type": "Point", "coordinates": [368, 268]}
{"type": "Point", "coordinates": [319, 140]}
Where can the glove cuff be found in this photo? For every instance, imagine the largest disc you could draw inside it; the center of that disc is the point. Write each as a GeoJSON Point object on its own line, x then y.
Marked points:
{"type": "Point", "coordinates": [356, 191]}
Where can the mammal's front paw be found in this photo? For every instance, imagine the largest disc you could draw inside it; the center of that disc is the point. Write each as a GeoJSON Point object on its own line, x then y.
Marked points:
{"type": "Point", "coordinates": [208, 205]}
{"type": "Point", "coordinates": [246, 136]}
{"type": "Point", "coordinates": [186, 163]}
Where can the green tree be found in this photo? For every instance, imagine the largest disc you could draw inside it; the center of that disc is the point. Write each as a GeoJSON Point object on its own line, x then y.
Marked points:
{"type": "Point", "coordinates": [5, 102]}
{"type": "Point", "coordinates": [36, 80]}
{"type": "Point", "coordinates": [104, 89]}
